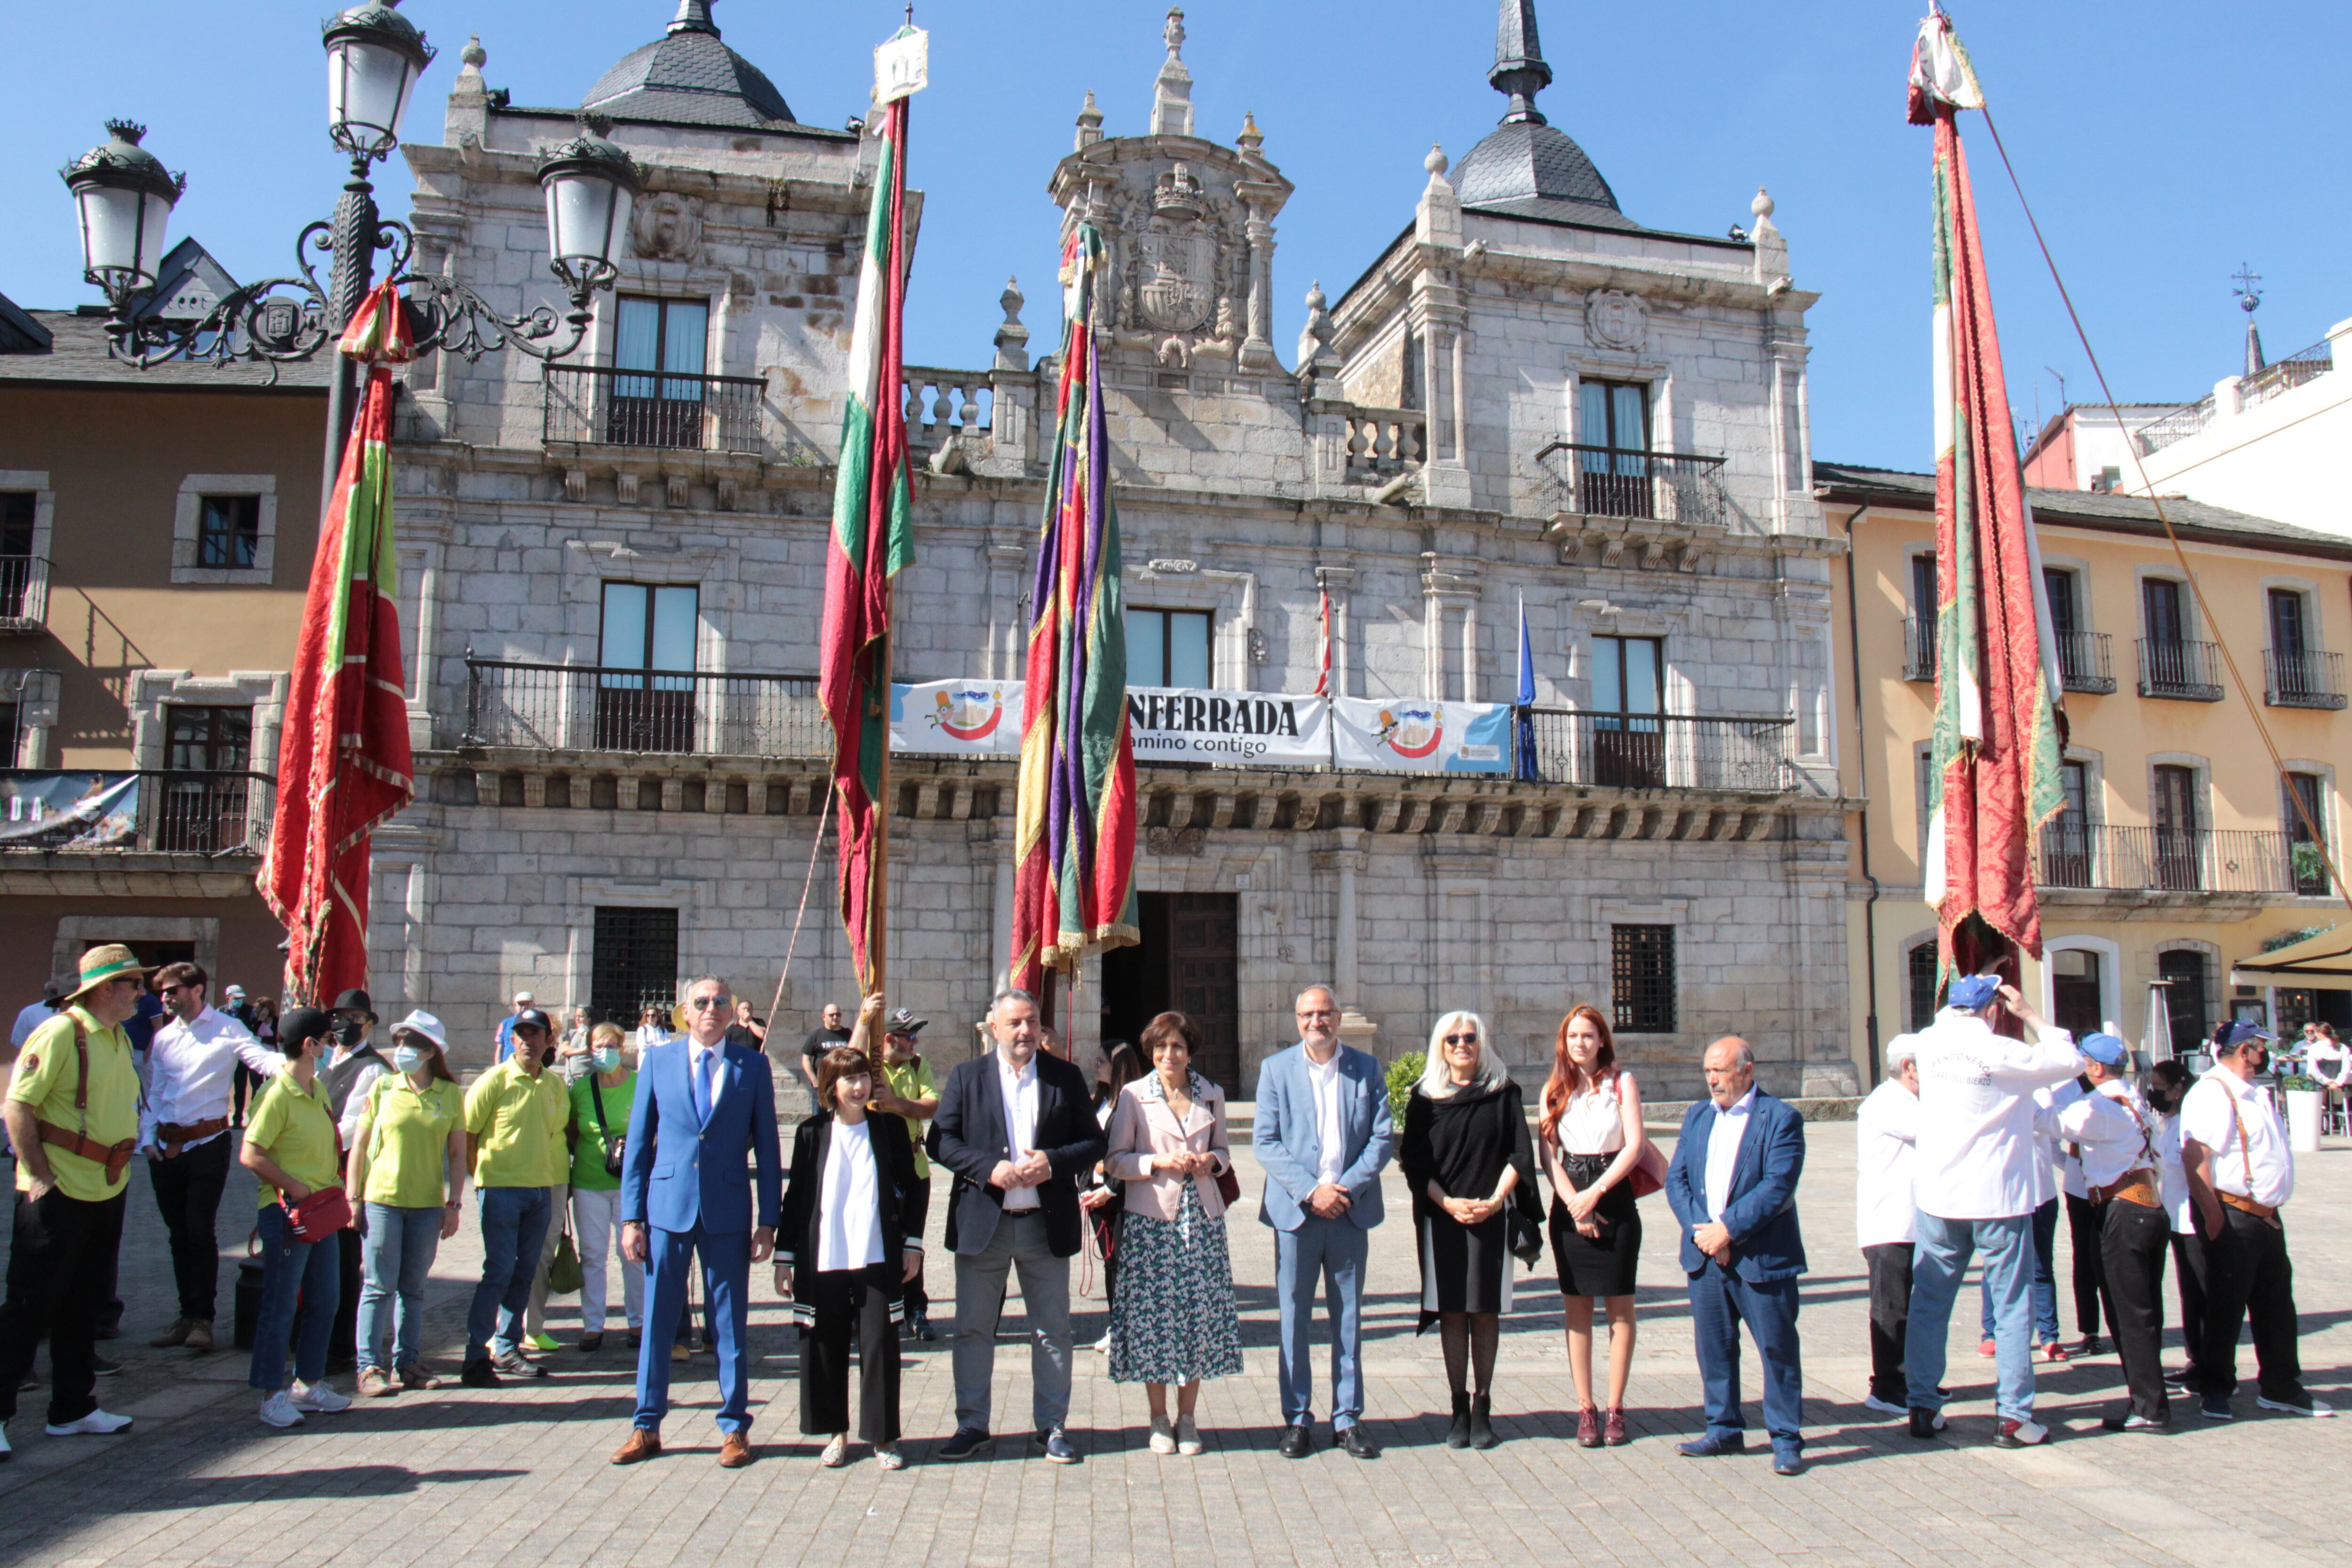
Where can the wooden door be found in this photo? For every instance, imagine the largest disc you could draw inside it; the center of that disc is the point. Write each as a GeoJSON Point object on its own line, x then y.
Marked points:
{"type": "Point", "coordinates": [2176, 856]}
{"type": "Point", "coordinates": [1203, 971]}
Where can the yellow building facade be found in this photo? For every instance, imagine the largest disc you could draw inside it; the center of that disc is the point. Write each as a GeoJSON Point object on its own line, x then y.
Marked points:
{"type": "Point", "coordinates": [2182, 848]}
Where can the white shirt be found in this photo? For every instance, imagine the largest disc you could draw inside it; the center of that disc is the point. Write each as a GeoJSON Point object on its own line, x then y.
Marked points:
{"type": "Point", "coordinates": [1331, 1138]}
{"type": "Point", "coordinates": [1723, 1142]}
{"type": "Point", "coordinates": [710, 1061]}
{"type": "Point", "coordinates": [2329, 1062]}
{"type": "Point", "coordinates": [849, 1216]}
{"type": "Point", "coordinates": [2070, 1165]}
{"type": "Point", "coordinates": [1595, 1123]}
{"type": "Point", "coordinates": [2206, 1116]}
{"type": "Point", "coordinates": [191, 1068]}
{"type": "Point", "coordinates": [29, 1018]}
{"type": "Point", "coordinates": [1886, 1153]}
{"type": "Point", "coordinates": [2114, 1131]}
{"type": "Point", "coordinates": [2176, 1202]}
{"type": "Point", "coordinates": [652, 1035]}
{"type": "Point", "coordinates": [1019, 1092]}
{"type": "Point", "coordinates": [1979, 1157]}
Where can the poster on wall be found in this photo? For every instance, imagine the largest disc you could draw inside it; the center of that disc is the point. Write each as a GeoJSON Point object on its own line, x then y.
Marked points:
{"type": "Point", "coordinates": [1407, 735]}
{"type": "Point", "coordinates": [1228, 729]}
{"type": "Point", "coordinates": [69, 811]}
{"type": "Point", "coordinates": [957, 718]}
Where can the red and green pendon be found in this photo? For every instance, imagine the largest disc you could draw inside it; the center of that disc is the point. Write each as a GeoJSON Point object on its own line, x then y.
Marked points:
{"type": "Point", "coordinates": [873, 538]}
{"type": "Point", "coordinates": [344, 766]}
{"type": "Point", "coordinates": [1998, 727]}
{"type": "Point", "coordinates": [1074, 815]}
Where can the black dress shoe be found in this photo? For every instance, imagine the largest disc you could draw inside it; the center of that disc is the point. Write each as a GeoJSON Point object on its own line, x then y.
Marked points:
{"type": "Point", "coordinates": [1357, 1445]}
{"type": "Point", "coordinates": [1711, 1447]}
{"type": "Point", "coordinates": [1297, 1441]}
{"type": "Point", "coordinates": [1926, 1423]}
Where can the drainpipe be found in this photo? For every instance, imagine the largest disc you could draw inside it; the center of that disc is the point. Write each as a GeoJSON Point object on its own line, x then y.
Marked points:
{"type": "Point", "coordinates": [1862, 769]}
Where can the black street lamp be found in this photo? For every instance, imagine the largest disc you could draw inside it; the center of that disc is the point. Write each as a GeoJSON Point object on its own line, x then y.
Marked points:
{"type": "Point", "coordinates": [375, 55]}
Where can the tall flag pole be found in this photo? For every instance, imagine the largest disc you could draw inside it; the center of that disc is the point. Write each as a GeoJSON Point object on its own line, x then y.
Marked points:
{"type": "Point", "coordinates": [1523, 717]}
{"type": "Point", "coordinates": [1999, 724]}
{"type": "Point", "coordinates": [1323, 620]}
{"type": "Point", "coordinates": [873, 532]}
{"type": "Point", "coordinates": [1074, 813]}
{"type": "Point", "coordinates": [344, 767]}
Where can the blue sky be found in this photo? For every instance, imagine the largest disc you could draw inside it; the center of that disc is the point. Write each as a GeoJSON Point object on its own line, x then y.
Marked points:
{"type": "Point", "coordinates": [2163, 144]}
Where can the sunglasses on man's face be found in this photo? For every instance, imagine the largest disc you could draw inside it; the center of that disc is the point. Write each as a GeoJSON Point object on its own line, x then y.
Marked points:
{"type": "Point", "coordinates": [705, 1003]}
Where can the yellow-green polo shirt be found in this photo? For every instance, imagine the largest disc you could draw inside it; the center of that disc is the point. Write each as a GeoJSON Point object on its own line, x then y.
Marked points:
{"type": "Point", "coordinates": [520, 1120]}
{"type": "Point", "coordinates": [46, 1077]}
{"type": "Point", "coordinates": [408, 1137]}
{"type": "Point", "coordinates": [293, 1126]}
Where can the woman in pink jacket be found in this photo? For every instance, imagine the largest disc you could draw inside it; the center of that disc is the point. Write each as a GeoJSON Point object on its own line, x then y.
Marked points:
{"type": "Point", "coordinates": [1173, 1319]}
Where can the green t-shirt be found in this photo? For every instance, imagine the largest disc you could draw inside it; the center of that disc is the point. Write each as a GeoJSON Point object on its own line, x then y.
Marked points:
{"type": "Point", "coordinates": [47, 1077]}
{"type": "Point", "coordinates": [913, 1080]}
{"type": "Point", "coordinates": [293, 1126]}
{"type": "Point", "coordinates": [588, 1172]}
{"type": "Point", "coordinates": [408, 1141]}
{"type": "Point", "coordinates": [520, 1120]}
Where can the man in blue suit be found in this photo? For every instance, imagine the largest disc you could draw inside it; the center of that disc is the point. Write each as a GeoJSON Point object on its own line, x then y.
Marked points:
{"type": "Point", "coordinates": [1323, 1134]}
{"type": "Point", "coordinates": [705, 1111]}
{"type": "Point", "coordinates": [1733, 1185]}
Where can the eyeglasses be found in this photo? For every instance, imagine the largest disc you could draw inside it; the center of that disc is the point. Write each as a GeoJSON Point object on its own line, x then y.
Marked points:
{"type": "Point", "coordinates": [169, 990]}
{"type": "Point", "coordinates": [704, 1004]}
{"type": "Point", "coordinates": [1461, 1039]}
{"type": "Point", "coordinates": [1318, 1013]}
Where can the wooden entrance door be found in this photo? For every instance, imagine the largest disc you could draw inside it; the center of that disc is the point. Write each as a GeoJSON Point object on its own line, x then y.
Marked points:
{"type": "Point", "coordinates": [1203, 959]}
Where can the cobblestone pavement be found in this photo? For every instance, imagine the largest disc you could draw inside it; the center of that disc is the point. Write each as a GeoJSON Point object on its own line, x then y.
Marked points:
{"type": "Point", "coordinates": [456, 1478]}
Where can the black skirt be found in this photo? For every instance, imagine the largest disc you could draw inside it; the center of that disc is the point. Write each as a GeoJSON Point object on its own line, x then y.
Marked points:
{"type": "Point", "coordinates": [1601, 1265]}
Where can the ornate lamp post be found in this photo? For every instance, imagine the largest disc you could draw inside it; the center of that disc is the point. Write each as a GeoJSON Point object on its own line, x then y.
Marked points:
{"type": "Point", "coordinates": [124, 198]}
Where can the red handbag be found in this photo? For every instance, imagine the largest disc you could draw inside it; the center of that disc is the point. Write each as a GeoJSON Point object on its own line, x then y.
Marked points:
{"type": "Point", "coordinates": [1649, 1172]}
{"type": "Point", "coordinates": [320, 1215]}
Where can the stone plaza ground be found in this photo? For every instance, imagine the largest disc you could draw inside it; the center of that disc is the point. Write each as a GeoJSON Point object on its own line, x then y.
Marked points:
{"type": "Point", "coordinates": [467, 1479]}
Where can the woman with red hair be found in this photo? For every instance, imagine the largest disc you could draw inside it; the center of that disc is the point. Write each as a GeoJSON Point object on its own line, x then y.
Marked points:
{"type": "Point", "coordinates": [1593, 1140]}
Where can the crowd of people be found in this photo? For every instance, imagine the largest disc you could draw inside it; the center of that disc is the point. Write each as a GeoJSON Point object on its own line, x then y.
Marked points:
{"type": "Point", "coordinates": [362, 1154]}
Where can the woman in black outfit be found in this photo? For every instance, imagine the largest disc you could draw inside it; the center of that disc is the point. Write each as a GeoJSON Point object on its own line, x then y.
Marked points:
{"type": "Point", "coordinates": [1468, 1162]}
{"type": "Point", "coordinates": [1593, 1140]}
{"type": "Point", "coordinates": [845, 1252]}
{"type": "Point", "coordinates": [1123, 1063]}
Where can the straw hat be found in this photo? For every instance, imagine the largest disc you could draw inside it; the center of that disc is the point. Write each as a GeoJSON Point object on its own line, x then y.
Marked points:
{"type": "Point", "coordinates": [109, 961]}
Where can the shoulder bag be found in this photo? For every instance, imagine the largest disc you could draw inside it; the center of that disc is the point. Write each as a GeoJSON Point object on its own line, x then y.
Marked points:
{"type": "Point", "coordinates": [612, 1145]}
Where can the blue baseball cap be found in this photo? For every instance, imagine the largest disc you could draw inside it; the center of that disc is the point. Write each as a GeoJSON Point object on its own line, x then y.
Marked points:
{"type": "Point", "coordinates": [1972, 992]}
{"type": "Point", "coordinates": [2104, 1049]}
{"type": "Point", "coordinates": [2237, 1032]}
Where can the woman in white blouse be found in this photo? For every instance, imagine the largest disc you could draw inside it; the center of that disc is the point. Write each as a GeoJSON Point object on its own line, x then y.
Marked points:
{"type": "Point", "coordinates": [1593, 1140]}
{"type": "Point", "coordinates": [846, 1250]}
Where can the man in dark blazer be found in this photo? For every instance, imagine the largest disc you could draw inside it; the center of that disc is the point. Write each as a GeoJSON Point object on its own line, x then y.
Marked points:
{"type": "Point", "coordinates": [704, 1121]}
{"type": "Point", "coordinates": [1733, 1185]}
{"type": "Point", "coordinates": [1017, 1128]}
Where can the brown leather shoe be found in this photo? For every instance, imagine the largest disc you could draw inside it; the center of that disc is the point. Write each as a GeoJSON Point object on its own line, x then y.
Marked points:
{"type": "Point", "coordinates": [642, 1446]}
{"type": "Point", "coordinates": [734, 1451]}
{"type": "Point", "coordinates": [200, 1336]}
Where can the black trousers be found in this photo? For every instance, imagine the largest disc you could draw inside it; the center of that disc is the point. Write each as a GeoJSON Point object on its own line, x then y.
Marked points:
{"type": "Point", "coordinates": [2131, 1253]}
{"type": "Point", "coordinates": [919, 1211]}
{"type": "Point", "coordinates": [2249, 1278]}
{"type": "Point", "coordinates": [1890, 1315]}
{"type": "Point", "coordinates": [2189, 1275]}
{"type": "Point", "coordinates": [188, 1194]}
{"type": "Point", "coordinates": [243, 1082]}
{"type": "Point", "coordinates": [850, 1301]}
{"type": "Point", "coordinates": [344, 1342]}
{"type": "Point", "coordinates": [2085, 1223]}
{"type": "Point", "coordinates": [61, 1274]}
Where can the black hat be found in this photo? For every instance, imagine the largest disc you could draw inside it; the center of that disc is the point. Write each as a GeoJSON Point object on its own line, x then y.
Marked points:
{"type": "Point", "coordinates": [301, 1023]}
{"type": "Point", "coordinates": [355, 1002]}
{"type": "Point", "coordinates": [534, 1019]}
{"type": "Point", "coordinates": [904, 1022]}
{"type": "Point", "coordinates": [53, 993]}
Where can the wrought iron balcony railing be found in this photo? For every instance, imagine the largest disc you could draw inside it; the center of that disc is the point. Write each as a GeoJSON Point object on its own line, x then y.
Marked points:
{"type": "Point", "coordinates": [2165, 860]}
{"type": "Point", "coordinates": [1610, 481]}
{"type": "Point", "coordinates": [2083, 664]}
{"type": "Point", "coordinates": [2302, 678]}
{"type": "Point", "coordinates": [2286, 375]}
{"type": "Point", "coordinates": [576, 708]}
{"type": "Point", "coordinates": [2177, 668]}
{"type": "Point", "coordinates": [23, 593]}
{"type": "Point", "coordinates": [597, 405]}
{"type": "Point", "coordinates": [1918, 648]}
{"type": "Point", "coordinates": [136, 810]}
{"type": "Point", "coordinates": [1662, 752]}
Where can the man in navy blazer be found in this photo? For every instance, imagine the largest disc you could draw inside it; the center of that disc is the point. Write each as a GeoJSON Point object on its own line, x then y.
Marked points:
{"type": "Point", "coordinates": [1017, 1127]}
{"type": "Point", "coordinates": [1322, 1133]}
{"type": "Point", "coordinates": [703, 1121]}
{"type": "Point", "coordinates": [1733, 1186]}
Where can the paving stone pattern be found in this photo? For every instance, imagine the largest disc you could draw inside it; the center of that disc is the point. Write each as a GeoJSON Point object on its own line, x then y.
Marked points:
{"type": "Point", "coordinates": [457, 1479]}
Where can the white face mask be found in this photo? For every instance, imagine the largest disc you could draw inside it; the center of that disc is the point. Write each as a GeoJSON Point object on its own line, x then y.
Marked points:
{"type": "Point", "coordinates": [608, 1057]}
{"type": "Point", "coordinates": [407, 1059]}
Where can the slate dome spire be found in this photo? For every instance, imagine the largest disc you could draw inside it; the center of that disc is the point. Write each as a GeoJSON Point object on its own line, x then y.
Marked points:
{"type": "Point", "coordinates": [1526, 167]}
{"type": "Point", "coordinates": [688, 77]}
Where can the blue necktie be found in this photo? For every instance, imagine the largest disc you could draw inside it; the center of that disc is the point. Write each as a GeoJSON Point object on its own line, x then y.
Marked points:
{"type": "Point", "coordinates": [694, 1070]}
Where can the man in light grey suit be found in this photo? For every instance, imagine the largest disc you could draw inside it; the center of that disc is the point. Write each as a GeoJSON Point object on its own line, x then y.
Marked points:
{"type": "Point", "coordinates": [1322, 1135]}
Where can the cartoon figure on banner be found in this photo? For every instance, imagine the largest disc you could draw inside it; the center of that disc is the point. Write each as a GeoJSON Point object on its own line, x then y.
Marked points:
{"type": "Point", "coordinates": [968, 713]}
{"type": "Point", "coordinates": [1413, 733]}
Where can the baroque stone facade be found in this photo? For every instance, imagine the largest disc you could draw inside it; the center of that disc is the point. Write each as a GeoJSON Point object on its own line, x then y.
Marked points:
{"type": "Point", "coordinates": [1526, 399]}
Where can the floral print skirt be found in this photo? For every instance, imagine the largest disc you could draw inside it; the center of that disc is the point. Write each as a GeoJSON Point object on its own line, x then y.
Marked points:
{"type": "Point", "coordinates": [1172, 1319]}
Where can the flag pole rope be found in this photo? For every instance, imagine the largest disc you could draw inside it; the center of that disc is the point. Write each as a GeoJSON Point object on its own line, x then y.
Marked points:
{"type": "Point", "coordinates": [823, 820]}
{"type": "Point", "coordinates": [2181, 557]}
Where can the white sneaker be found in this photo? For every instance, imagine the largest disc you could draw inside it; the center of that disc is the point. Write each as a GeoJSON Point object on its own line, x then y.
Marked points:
{"type": "Point", "coordinates": [1872, 1402]}
{"type": "Point", "coordinates": [2309, 1407]}
{"type": "Point", "coordinates": [279, 1411]}
{"type": "Point", "coordinates": [319, 1396]}
{"type": "Point", "coordinates": [1163, 1437]}
{"type": "Point", "coordinates": [1188, 1438]}
{"type": "Point", "coordinates": [98, 1423]}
